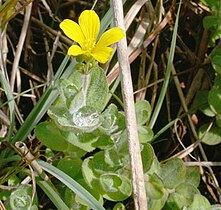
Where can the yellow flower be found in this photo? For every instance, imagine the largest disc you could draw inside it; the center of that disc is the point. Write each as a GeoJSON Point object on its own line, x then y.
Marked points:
{"type": "Point", "coordinates": [86, 34]}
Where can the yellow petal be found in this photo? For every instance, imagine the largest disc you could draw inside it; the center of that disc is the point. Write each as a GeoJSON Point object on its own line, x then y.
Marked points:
{"type": "Point", "coordinates": [90, 24]}
{"type": "Point", "coordinates": [102, 54]}
{"type": "Point", "coordinates": [110, 37]}
{"type": "Point", "coordinates": [75, 50]}
{"type": "Point", "coordinates": [72, 30]}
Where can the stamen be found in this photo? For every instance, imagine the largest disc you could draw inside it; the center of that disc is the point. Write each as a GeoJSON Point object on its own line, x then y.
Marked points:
{"type": "Point", "coordinates": [89, 45]}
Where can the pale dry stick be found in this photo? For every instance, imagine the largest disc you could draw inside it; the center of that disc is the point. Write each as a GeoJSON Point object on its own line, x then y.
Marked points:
{"type": "Point", "coordinates": [22, 148]}
{"type": "Point", "coordinates": [34, 101]}
{"type": "Point", "coordinates": [180, 139]}
{"type": "Point", "coordinates": [138, 36]}
{"type": "Point", "coordinates": [4, 118]}
{"type": "Point", "coordinates": [95, 2]}
{"type": "Point", "coordinates": [20, 94]}
{"type": "Point", "coordinates": [18, 84]}
{"type": "Point", "coordinates": [2, 207]}
{"type": "Point", "coordinates": [20, 45]}
{"type": "Point", "coordinates": [205, 180]}
{"type": "Point", "coordinates": [8, 188]}
{"type": "Point", "coordinates": [130, 16]}
{"type": "Point", "coordinates": [28, 179]}
{"type": "Point", "coordinates": [140, 199]}
{"type": "Point", "coordinates": [152, 84]}
{"type": "Point", "coordinates": [188, 150]}
{"type": "Point", "coordinates": [4, 51]}
{"type": "Point", "coordinates": [55, 45]}
{"type": "Point", "coordinates": [47, 7]}
{"type": "Point", "coordinates": [203, 163]}
{"type": "Point", "coordinates": [5, 123]}
{"type": "Point", "coordinates": [182, 154]}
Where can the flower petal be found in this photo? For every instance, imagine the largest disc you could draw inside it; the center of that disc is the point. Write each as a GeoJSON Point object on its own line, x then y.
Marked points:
{"type": "Point", "coordinates": [90, 24]}
{"type": "Point", "coordinates": [72, 30]}
{"type": "Point", "coordinates": [110, 37]}
{"type": "Point", "coordinates": [75, 50]}
{"type": "Point", "coordinates": [102, 54]}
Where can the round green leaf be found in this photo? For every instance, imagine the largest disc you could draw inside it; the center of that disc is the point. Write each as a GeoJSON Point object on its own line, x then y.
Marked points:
{"type": "Point", "coordinates": [21, 198]}
{"type": "Point", "coordinates": [154, 204]}
{"type": "Point", "coordinates": [210, 21]}
{"type": "Point", "coordinates": [145, 134]}
{"type": "Point", "coordinates": [215, 207]}
{"type": "Point", "coordinates": [113, 121]}
{"type": "Point", "coordinates": [90, 176]}
{"type": "Point", "coordinates": [115, 186]}
{"type": "Point", "coordinates": [86, 119]}
{"type": "Point", "coordinates": [143, 111]}
{"type": "Point", "coordinates": [51, 136]}
{"type": "Point", "coordinates": [211, 137]}
{"type": "Point", "coordinates": [95, 191]}
{"type": "Point", "coordinates": [147, 155]}
{"type": "Point", "coordinates": [119, 206]}
{"type": "Point", "coordinates": [84, 141]}
{"type": "Point", "coordinates": [192, 176]}
{"type": "Point", "coordinates": [218, 120]}
{"type": "Point", "coordinates": [71, 166]}
{"type": "Point", "coordinates": [216, 59]}
{"type": "Point", "coordinates": [103, 142]}
{"type": "Point", "coordinates": [201, 103]}
{"type": "Point", "coordinates": [96, 87]}
{"type": "Point", "coordinates": [199, 202]}
{"type": "Point", "coordinates": [107, 160]}
{"type": "Point", "coordinates": [182, 197]}
{"type": "Point", "coordinates": [215, 99]}
{"type": "Point", "coordinates": [172, 173]}
{"type": "Point", "coordinates": [154, 187]}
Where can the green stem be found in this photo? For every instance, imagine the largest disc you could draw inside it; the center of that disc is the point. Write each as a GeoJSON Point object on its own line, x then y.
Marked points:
{"type": "Point", "coordinates": [167, 75]}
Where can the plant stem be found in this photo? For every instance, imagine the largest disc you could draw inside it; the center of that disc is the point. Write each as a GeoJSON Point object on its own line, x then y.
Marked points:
{"type": "Point", "coordinates": [140, 199]}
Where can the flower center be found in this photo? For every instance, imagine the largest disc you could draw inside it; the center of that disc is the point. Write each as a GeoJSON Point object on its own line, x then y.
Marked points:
{"type": "Point", "coordinates": [89, 45]}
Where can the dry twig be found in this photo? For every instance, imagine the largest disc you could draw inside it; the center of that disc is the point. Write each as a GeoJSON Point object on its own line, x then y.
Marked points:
{"type": "Point", "coordinates": [127, 91]}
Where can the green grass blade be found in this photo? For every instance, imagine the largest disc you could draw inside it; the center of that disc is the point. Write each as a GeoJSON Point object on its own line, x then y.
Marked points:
{"type": "Point", "coordinates": [43, 104]}
{"type": "Point", "coordinates": [36, 114]}
{"type": "Point", "coordinates": [73, 185]}
{"type": "Point", "coordinates": [167, 74]}
{"type": "Point", "coordinates": [54, 197]}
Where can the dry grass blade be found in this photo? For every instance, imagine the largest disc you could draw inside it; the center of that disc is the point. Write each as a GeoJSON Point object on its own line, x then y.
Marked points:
{"type": "Point", "coordinates": [20, 45]}
{"type": "Point", "coordinates": [6, 9]}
